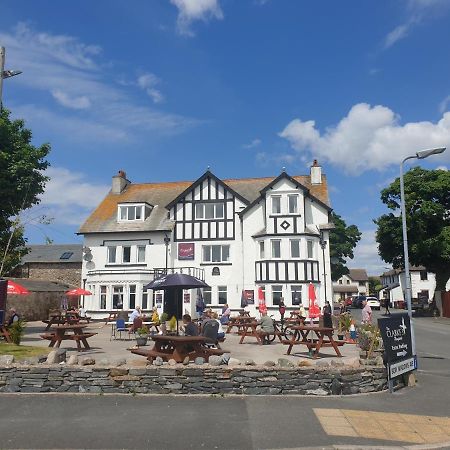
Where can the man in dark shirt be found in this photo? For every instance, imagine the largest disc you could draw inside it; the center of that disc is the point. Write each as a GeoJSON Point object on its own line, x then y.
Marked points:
{"type": "Point", "coordinates": [190, 328]}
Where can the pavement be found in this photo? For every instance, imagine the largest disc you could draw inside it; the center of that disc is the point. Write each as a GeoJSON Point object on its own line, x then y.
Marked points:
{"type": "Point", "coordinates": [103, 346]}
{"type": "Point", "coordinates": [410, 418]}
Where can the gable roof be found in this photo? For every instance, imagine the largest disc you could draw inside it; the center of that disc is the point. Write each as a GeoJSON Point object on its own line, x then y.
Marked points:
{"type": "Point", "coordinates": [358, 275]}
{"type": "Point", "coordinates": [52, 253]}
{"type": "Point", "coordinates": [104, 218]}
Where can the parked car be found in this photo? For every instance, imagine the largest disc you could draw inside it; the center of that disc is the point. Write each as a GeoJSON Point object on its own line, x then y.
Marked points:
{"type": "Point", "coordinates": [357, 301]}
{"type": "Point", "coordinates": [373, 302]}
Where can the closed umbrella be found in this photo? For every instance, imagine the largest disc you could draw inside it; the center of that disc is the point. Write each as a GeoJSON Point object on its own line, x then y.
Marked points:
{"type": "Point", "coordinates": [314, 310]}
{"type": "Point", "coordinates": [261, 301]}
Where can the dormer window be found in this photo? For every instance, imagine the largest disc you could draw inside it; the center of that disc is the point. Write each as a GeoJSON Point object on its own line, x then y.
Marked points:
{"type": "Point", "coordinates": [133, 212]}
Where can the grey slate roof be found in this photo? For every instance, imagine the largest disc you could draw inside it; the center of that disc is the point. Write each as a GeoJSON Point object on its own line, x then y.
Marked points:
{"type": "Point", "coordinates": [104, 217]}
{"type": "Point", "coordinates": [52, 253]}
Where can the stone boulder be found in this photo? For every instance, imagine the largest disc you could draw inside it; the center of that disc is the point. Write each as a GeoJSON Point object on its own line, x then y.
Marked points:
{"type": "Point", "coordinates": [56, 356]}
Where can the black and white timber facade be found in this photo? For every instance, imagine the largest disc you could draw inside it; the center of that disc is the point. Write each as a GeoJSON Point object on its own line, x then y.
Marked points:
{"type": "Point", "coordinates": [237, 234]}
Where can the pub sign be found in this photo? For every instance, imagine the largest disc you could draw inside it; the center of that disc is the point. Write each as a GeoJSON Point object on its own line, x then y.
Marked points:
{"type": "Point", "coordinates": [186, 251]}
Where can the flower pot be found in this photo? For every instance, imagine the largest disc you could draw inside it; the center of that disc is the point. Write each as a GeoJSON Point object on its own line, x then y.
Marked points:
{"type": "Point", "coordinates": [141, 340]}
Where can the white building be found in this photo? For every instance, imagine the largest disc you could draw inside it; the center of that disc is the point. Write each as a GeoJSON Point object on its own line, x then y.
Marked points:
{"type": "Point", "coordinates": [423, 284]}
{"type": "Point", "coordinates": [237, 234]}
{"type": "Point", "coordinates": [356, 282]}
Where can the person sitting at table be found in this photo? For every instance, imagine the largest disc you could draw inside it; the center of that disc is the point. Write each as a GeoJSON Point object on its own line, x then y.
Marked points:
{"type": "Point", "coordinates": [266, 327]}
{"type": "Point", "coordinates": [220, 332]}
{"type": "Point", "coordinates": [226, 311]}
{"type": "Point", "coordinates": [190, 328]}
{"type": "Point", "coordinates": [14, 317]}
{"type": "Point", "coordinates": [82, 312]}
{"type": "Point", "coordinates": [135, 314]}
{"type": "Point", "coordinates": [155, 315]}
{"type": "Point", "coordinates": [302, 312]}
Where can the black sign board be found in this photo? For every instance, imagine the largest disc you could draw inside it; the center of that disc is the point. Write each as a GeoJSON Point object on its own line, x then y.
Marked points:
{"type": "Point", "coordinates": [396, 333]}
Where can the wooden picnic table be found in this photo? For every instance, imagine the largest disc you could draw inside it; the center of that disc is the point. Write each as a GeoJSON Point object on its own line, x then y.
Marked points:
{"type": "Point", "coordinates": [60, 319]}
{"type": "Point", "coordinates": [249, 328]}
{"type": "Point", "coordinates": [313, 337]}
{"type": "Point", "coordinates": [72, 332]}
{"type": "Point", "coordinates": [238, 322]}
{"type": "Point", "coordinates": [5, 333]}
{"type": "Point", "coordinates": [178, 347]}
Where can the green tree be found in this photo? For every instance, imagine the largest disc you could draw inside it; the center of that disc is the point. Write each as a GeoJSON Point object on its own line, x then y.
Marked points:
{"type": "Point", "coordinates": [427, 202]}
{"type": "Point", "coordinates": [343, 240]}
{"type": "Point", "coordinates": [374, 285]}
{"type": "Point", "coordinates": [21, 182]}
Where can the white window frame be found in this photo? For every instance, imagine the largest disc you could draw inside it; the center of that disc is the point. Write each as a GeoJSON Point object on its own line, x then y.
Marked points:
{"type": "Point", "coordinates": [201, 211]}
{"type": "Point", "coordinates": [310, 249]}
{"type": "Point", "coordinates": [262, 249]}
{"type": "Point", "coordinates": [208, 249]}
{"type": "Point", "coordinates": [272, 242]}
{"type": "Point", "coordinates": [207, 295]}
{"type": "Point", "coordinates": [110, 252]}
{"type": "Point", "coordinates": [103, 297]}
{"type": "Point", "coordinates": [278, 198]}
{"type": "Point", "coordinates": [127, 208]}
{"type": "Point", "coordinates": [294, 290]}
{"type": "Point", "coordinates": [123, 254]}
{"type": "Point", "coordinates": [294, 196]}
{"type": "Point", "coordinates": [291, 242]}
{"type": "Point", "coordinates": [132, 295]}
{"type": "Point", "coordinates": [140, 252]}
{"type": "Point", "coordinates": [220, 290]}
{"type": "Point", "coordinates": [276, 290]}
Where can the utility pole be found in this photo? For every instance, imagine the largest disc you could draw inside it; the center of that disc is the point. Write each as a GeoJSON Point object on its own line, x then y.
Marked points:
{"type": "Point", "coordinates": [2, 69]}
{"type": "Point", "coordinates": [5, 73]}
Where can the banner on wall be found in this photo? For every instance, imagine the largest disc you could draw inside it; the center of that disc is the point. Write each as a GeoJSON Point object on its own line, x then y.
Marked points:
{"type": "Point", "coordinates": [186, 251]}
{"type": "Point", "coordinates": [187, 297]}
{"type": "Point", "coordinates": [249, 296]}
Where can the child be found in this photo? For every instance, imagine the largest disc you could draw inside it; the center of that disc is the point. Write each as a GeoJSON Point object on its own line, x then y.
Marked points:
{"type": "Point", "coordinates": [353, 331]}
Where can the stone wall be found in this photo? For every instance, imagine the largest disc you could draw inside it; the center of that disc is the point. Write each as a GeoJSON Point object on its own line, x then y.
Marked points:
{"type": "Point", "coordinates": [36, 305]}
{"type": "Point", "coordinates": [191, 380]}
{"type": "Point", "coordinates": [69, 273]}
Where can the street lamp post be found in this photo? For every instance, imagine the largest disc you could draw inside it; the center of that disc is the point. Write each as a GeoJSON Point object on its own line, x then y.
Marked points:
{"type": "Point", "coordinates": [5, 73]}
{"type": "Point", "coordinates": [419, 155]}
{"type": "Point", "coordinates": [323, 246]}
{"type": "Point", "coordinates": [167, 242]}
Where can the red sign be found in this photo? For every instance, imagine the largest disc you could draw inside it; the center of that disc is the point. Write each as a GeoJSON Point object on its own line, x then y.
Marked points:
{"type": "Point", "coordinates": [249, 296]}
{"type": "Point", "coordinates": [186, 251]}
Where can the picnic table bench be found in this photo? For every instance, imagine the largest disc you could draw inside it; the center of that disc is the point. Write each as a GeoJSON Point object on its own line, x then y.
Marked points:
{"type": "Point", "coordinates": [178, 348]}
{"type": "Point", "coordinates": [314, 338]}
{"type": "Point", "coordinates": [238, 322]}
{"type": "Point", "coordinates": [5, 333]}
{"type": "Point", "coordinates": [72, 332]}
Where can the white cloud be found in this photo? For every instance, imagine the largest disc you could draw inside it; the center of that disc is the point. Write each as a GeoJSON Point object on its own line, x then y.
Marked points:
{"type": "Point", "coordinates": [366, 254]}
{"type": "Point", "coordinates": [444, 104]}
{"type": "Point", "coordinates": [69, 197]}
{"type": "Point", "coordinates": [396, 34]}
{"type": "Point", "coordinates": [192, 10]}
{"type": "Point", "coordinates": [255, 143]}
{"type": "Point", "coordinates": [417, 11]}
{"type": "Point", "coordinates": [148, 82]}
{"type": "Point", "coordinates": [73, 73]}
{"type": "Point", "coordinates": [442, 168]}
{"type": "Point", "coordinates": [71, 102]}
{"type": "Point", "coordinates": [367, 138]}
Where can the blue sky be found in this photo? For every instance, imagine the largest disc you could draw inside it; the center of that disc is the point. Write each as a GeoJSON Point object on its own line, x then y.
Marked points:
{"type": "Point", "coordinates": [164, 88]}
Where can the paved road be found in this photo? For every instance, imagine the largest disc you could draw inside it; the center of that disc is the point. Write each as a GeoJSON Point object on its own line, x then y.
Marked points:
{"type": "Point", "coordinates": [168, 422]}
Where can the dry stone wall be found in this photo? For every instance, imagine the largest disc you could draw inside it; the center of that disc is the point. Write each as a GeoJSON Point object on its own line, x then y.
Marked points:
{"type": "Point", "coordinates": [254, 380]}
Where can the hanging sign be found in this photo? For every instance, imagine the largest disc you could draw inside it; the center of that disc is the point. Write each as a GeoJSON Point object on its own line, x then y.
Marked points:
{"type": "Point", "coordinates": [249, 296]}
{"type": "Point", "coordinates": [186, 251]}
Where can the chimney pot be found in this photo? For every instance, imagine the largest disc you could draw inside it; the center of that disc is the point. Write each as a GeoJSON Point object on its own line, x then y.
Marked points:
{"type": "Point", "coordinates": [316, 173]}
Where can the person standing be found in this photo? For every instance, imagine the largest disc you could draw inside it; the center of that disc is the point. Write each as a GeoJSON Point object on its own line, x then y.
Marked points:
{"type": "Point", "coordinates": [366, 313]}
{"type": "Point", "coordinates": [327, 320]}
{"type": "Point", "coordinates": [282, 309]}
{"type": "Point", "coordinates": [387, 304]}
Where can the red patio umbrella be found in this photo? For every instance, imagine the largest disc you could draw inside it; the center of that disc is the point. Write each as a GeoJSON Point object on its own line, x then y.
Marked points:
{"type": "Point", "coordinates": [261, 300]}
{"type": "Point", "coordinates": [15, 288]}
{"type": "Point", "coordinates": [78, 292]}
{"type": "Point", "coordinates": [314, 310]}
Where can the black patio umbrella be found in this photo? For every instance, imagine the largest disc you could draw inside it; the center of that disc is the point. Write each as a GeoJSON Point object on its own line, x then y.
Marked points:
{"type": "Point", "coordinates": [176, 280]}
{"type": "Point", "coordinates": [175, 283]}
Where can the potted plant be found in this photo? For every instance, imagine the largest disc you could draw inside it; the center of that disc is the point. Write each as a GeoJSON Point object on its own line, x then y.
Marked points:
{"type": "Point", "coordinates": [163, 319]}
{"type": "Point", "coordinates": [141, 336]}
{"type": "Point", "coordinates": [173, 324]}
{"type": "Point", "coordinates": [345, 320]}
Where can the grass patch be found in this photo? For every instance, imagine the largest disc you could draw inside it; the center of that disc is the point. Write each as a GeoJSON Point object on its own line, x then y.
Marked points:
{"type": "Point", "coordinates": [22, 351]}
